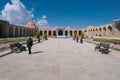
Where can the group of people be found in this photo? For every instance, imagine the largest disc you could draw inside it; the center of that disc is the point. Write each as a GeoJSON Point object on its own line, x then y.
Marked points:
{"type": "Point", "coordinates": [77, 38]}
{"type": "Point", "coordinates": [29, 44]}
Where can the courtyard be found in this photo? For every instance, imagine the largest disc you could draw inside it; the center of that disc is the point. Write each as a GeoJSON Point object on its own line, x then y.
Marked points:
{"type": "Point", "coordinates": [61, 59]}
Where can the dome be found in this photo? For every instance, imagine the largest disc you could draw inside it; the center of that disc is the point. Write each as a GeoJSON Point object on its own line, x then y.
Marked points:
{"type": "Point", "coordinates": [31, 25]}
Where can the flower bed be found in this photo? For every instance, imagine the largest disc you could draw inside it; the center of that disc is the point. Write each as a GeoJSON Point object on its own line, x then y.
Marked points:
{"type": "Point", "coordinates": [114, 43]}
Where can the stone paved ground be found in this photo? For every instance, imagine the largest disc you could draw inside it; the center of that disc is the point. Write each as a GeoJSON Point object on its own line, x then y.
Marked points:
{"type": "Point", "coordinates": [60, 59]}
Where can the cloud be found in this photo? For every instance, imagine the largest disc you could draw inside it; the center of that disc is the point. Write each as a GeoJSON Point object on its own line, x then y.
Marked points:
{"type": "Point", "coordinates": [42, 22]}
{"type": "Point", "coordinates": [68, 27]}
{"type": "Point", "coordinates": [44, 17]}
{"type": "Point", "coordinates": [16, 13]}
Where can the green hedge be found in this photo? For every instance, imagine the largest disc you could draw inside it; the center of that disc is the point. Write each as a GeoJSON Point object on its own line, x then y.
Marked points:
{"type": "Point", "coordinates": [12, 40]}
{"type": "Point", "coordinates": [107, 40]}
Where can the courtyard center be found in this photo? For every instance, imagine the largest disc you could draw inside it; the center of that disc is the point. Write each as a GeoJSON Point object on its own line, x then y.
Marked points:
{"type": "Point", "coordinates": [60, 59]}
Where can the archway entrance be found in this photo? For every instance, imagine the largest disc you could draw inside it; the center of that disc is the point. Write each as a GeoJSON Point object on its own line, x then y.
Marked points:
{"type": "Point", "coordinates": [54, 33]}
{"type": "Point", "coordinates": [66, 33]}
{"type": "Point", "coordinates": [71, 33]}
{"type": "Point", "coordinates": [49, 33]}
{"type": "Point", "coordinates": [1, 31]}
{"type": "Point", "coordinates": [60, 32]}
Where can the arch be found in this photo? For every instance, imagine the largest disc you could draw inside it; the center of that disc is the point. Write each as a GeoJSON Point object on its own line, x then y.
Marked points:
{"type": "Point", "coordinates": [96, 32]}
{"type": "Point", "coordinates": [54, 33]}
{"type": "Point", "coordinates": [100, 30]}
{"type": "Point", "coordinates": [11, 31]}
{"type": "Point", "coordinates": [75, 31]}
{"type": "Point", "coordinates": [60, 32]}
{"type": "Point", "coordinates": [104, 31]}
{"type": "Point", "coordinates": [30, 32]}
{"type": "Point", "coordinates": [33, 32]}
{"type": "Point", "coordinates": [16, 32]}
{"type": "Point", "coordinates": [85, 30]}
{"type": "Point", "coordinates": [20, 32]}
{"type": "Point", "coordinates": [80, 32]}
{"type": "Point", "coordinates": [71, 32]}
{"type": "Point", "coordinates": [26, 32]}
{"type": "Point", "coordinates": [49, 33]}
{"type": "Point", "coordinates": [66, 33]}
{"type": "Point", "coordinates": [45, 32]}
{"type": "Point", "coordinates": [1, 30]}
{"type": "Point", "coordinates": [110, 28]}
{"type": "Point", "coordinates": [109, 31]}
{"type": "Point", "coordinates": [41, 32]}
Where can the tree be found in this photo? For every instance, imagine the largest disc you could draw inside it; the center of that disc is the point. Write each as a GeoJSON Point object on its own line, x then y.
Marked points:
{"type": "Point", "coordinates": [37, 35]}
{"type": "Point", "coordinates": [81, 37]}
{"type": "Point", "coordinates": [45, 36]}
{"type": "Point", "coordinates": [74, 35]}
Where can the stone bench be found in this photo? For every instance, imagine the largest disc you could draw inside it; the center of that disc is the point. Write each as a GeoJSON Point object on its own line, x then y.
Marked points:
{"type": "Point", "coordinates": [103, 47]}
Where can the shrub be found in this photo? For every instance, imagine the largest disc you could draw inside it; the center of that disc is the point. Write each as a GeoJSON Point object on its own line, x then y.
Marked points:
{"type": "Point", "coordinates": [107, 40]}
{"type": "Point", "coordinates": [37, 34]}
{"type": "Point", "coordinates": [75, 34]}
{"type": "Point", "coordinates": [82, 35]}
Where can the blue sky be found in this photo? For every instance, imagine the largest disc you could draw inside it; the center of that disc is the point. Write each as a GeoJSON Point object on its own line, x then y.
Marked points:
{"type": "Point", "coordinates": [73, 13]}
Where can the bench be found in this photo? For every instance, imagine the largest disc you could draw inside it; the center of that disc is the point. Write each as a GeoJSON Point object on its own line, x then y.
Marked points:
{"type": "Point", "coordinates": [17, 47]}
{"type": "Point", "coordinates": [103, 47]}
{"type": "Point", "coordinates": [13, 47]}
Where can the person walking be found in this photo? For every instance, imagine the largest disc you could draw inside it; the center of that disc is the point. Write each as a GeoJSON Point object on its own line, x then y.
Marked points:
{"type": "Point", "coordinates": [77, 38]}
{"type": "Point", "coordinates": [29, 44]}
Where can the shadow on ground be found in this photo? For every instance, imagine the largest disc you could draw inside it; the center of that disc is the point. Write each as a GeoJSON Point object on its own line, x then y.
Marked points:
{"type": "Point", "coordinates": [37, 52]}
{"type": "Point", "coordinates": [5, 54]}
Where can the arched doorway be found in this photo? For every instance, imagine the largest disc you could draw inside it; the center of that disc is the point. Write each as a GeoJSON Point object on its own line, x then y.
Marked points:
{"type": "Point", "coordinates": [41, 33]}
{"type": "Point", "coordinates": [11, 31]}
{"type": "Point", "coordinates": [75, 32]}
{"type": "Point", "coordinates": [45, 32]}
{"type": "Point", "coordinates": [100, 30]}
{"type": "Point", "coordinates": [80, 32]}
{"type": "Point", "coordinates": [49, 33]}
{"type": "Point", "coordinates": [109, 31]}
{"type": "Point", "coordinates": [66, 33]}
{"type": "Point", "coordinates": [104, 31]}
{"type": "Point", "coordinates": [1, 28]}
{"type": "Point", "coordinates": [96, 32]}
{"type": "Point", "coordinates": [20, 32]}
{"type": "Point", "coordinates": [16, 32]}
{"type": "Point", "coordinates": [70, 32]}
{"type": "Point", "coordinates": [60, 32]}
{"type": "Point", "coordinates": [54, 33]}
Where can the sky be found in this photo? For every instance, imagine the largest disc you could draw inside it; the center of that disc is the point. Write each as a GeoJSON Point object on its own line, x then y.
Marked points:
{"type": "Point", "coordinates": [60, 13]}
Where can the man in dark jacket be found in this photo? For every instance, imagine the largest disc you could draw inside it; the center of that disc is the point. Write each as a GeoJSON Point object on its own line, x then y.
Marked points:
{"type": "Point", "coordinates": [29, 44]}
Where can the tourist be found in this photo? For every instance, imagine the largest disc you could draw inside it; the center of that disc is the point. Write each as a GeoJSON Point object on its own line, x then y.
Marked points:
{"type": "Point", "coordinates": [77, 38]}
{"type": "Point", "coordinates": [29, 44]}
